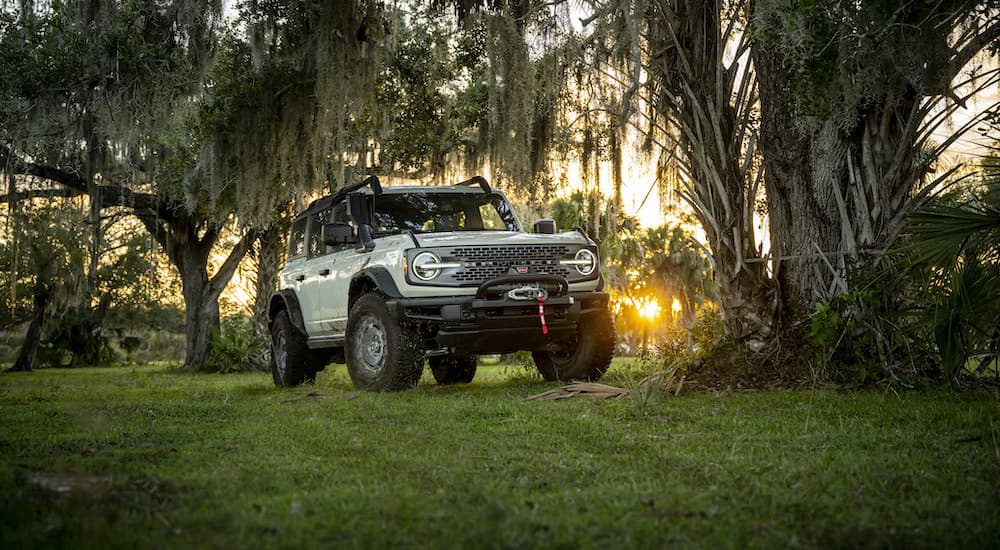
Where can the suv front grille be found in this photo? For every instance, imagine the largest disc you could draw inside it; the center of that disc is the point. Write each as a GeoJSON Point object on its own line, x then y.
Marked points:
{"type": "Point", "coordinates": [510, 253]}
{"type": "Point", "coordinates": [483, 263]}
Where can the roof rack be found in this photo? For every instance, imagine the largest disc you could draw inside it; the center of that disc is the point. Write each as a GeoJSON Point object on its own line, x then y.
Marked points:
{"type": "Point", "coordinates": [369, 181]}
{"type": "Point", "coordinates": [477, 180]}
{"type": "Point", "coordinates": [324, 202]}
{"type": "Point", "coordinates": [344, 191]}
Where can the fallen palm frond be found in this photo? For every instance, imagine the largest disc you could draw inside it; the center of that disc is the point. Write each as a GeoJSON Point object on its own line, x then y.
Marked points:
{"type": "Point", "coordinates": [657, 382]}
{"type": "Point", "coordinates": [585, 389]}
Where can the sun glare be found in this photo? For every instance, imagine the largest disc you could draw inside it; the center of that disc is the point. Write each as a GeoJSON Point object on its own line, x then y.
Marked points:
{"type": "Point", "coordinates": [650, 310]}
{"type": "Point", "coordinates": [676, 306]}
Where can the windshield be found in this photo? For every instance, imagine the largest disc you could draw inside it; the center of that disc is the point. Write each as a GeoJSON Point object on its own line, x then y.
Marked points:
{"type": "Point", "coordinates": [424, 212]}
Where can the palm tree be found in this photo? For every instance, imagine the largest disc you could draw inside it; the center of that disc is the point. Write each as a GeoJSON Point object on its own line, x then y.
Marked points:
{"type": "Point", "coordinates": [957, 241]}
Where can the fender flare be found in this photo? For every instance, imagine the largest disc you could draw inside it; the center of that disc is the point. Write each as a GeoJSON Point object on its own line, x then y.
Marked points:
{"type": "Point", "coordinates": [377, 277]}
{"type": "Point", "coordinates": [286, 300]}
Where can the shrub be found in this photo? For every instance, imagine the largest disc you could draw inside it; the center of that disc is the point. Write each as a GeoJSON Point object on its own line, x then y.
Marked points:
{"type": "Point", "coordinates": [520, 366]}
{"type": "Point", "coordinates": [7, 354]}
{"type": "Point", "coordinates": [678, 343]}
{"type": "Point", "coordinates": [238, 348]}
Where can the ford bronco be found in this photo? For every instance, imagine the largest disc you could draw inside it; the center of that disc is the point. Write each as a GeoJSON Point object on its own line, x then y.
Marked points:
{"type": "Point", "coordinates": [386, 278]}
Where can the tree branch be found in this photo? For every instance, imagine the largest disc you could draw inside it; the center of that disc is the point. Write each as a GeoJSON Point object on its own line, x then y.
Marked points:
{"type": "Point", "coordinates": [975, 45]}
{"type": "Point", "coordinates": [40, 194]}
{"type": "Point", "coordinates": [228, 267]}
{"type": "Point", "coordinates": [111, 195]}
{"type": "Point", "coordinates": [156, 228]}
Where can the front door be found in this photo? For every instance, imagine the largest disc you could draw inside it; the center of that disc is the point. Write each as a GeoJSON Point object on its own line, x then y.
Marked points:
{"type": "Point", "coordinates": [344, 261]}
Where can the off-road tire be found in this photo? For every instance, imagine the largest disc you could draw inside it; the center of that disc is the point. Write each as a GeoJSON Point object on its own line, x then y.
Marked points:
{"type": "Point", "coordinates": [453, 369]}
{"type": "Point", "coordinates": [587, 356]}
{"type": "Point", "coordinates": [290, 357]}
{"type": "Point", "coordinates": [383, 354]}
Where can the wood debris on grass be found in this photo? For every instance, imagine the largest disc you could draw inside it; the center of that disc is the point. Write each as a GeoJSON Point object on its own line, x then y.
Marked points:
{"type": "Point", "coordinates": [660, 381]}
{"type": "Point", "coordinates": [585, 389]}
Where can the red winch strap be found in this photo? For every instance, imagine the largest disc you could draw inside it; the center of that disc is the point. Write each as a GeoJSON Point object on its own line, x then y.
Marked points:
{"type": "Point", "coordinates": [541, 313]}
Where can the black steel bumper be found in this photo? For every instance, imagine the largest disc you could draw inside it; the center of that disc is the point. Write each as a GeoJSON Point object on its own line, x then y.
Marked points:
{"type": "Point", "coordinates": [490, 322]}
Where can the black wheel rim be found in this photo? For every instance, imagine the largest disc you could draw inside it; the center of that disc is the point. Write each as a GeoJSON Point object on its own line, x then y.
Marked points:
{"type": "Point", "coordinates": [370, 341]}
{"type": "Point", "coordinates": [566, 352]}
{"type": "Point", "coordinates": [280, 355]}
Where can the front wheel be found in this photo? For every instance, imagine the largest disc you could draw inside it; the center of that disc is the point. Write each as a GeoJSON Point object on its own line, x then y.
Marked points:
{"type": "Point", "coordinates": [453, 369]}
{"type": "Point", "coordinates": [587, 356]}
{"type": "Point", "coordinates": [382, 353]}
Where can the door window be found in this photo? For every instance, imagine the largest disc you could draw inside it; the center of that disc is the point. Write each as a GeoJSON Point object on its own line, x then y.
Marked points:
{"type": "Point", "coordinates": [297, 239]}
{"type": "Point", "coordinates": [316, 246]}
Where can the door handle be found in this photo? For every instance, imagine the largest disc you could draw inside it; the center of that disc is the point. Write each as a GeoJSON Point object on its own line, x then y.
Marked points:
{"type": "Point", "coordinates": [324, 272]}
{"type": "Point", "coordinates": [300, 278]}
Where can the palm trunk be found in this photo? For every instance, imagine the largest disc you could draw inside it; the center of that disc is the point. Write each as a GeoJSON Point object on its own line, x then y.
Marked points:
{"type": "Point", "coordinates": [833, 197]}
{"type": "Point", "coordinates": [711, 114]}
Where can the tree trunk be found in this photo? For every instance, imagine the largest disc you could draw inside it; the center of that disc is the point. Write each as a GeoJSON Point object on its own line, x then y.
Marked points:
{"type": "Point", "coordinates": [834, 197]}
{"type": "Point", "coordinates": [188, 241]}
{"type": "Point", "coordinates": [270, 245]}
{"type": "Point", "coordinates": [29, 349]}
{"type": "Point", "coordinates": [201, 315]}
{"type": "Point", "coordinates": [14, 217]}
{"type": "Point", "coordinates": [802, 214]}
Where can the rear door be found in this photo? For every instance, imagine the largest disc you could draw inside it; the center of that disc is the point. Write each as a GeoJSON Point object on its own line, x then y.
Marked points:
{"type": "Point", "coordinates": [316, 272]}
{"type": "Point", "coordinates": [294, 274]}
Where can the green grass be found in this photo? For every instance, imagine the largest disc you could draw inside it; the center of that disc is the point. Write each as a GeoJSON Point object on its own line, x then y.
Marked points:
{"type": "Point", "coordinates": [155, 458]}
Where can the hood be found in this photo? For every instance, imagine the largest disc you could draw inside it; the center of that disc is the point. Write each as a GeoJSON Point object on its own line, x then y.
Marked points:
{"type": "Point", "coordinates": [488, 238]}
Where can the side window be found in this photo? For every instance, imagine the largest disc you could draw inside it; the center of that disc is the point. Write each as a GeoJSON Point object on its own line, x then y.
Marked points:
{"type": "Point", "coordinates": [316, 246]}
{"type": "Point", "coordinates": [297, 239]}
{"type": "Point", "coordinates": [340, 214]}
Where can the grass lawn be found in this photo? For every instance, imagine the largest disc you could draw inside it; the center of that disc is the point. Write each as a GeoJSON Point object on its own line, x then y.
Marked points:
{"type": "Point", "coordinates": [145, 456]}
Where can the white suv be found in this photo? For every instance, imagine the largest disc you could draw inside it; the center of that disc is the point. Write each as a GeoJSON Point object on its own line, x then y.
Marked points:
{"type": "Point", "coordinates": [384, 278]}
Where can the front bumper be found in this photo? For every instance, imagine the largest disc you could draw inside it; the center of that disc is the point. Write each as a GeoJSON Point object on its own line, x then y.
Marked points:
{"type": "Point", "coordinates": [490, 322]}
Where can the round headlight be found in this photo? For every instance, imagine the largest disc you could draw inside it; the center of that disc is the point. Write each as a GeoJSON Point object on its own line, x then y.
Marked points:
{"type": "Point", "coordinates": [586, 261]}
{"type": "Point", "coordinates": [420, 269]}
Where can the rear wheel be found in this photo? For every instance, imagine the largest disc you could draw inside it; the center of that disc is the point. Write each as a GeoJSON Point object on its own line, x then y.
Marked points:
{"type": "Point", "coordinates": [382, 353]}
{"type": "Point", "coordinates": [587, 356]}
{"type": "Point", "coordinates": [453, 369]}
{"type": "Point", "coordinates": [289, 354]}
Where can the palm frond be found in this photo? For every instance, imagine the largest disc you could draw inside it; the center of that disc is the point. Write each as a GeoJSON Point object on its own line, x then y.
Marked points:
{"type": "Point", "coordinates": [965, 312]}
{"type": "Point", "coordinates": [941, 232]}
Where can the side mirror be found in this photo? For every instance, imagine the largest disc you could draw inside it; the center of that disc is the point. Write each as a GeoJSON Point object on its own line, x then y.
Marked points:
{"type": "Point", "coordinates": [338, 233]}
{"type": "Point", "coordinates": [358, 205]}
{"type": "Point", "coordinates": [367, 242]}
{"type": "Point", "coordinates": [547, 227]}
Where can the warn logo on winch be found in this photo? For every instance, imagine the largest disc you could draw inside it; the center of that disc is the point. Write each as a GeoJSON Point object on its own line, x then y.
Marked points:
{"type": "Point", "coordinates": [521, 269]}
